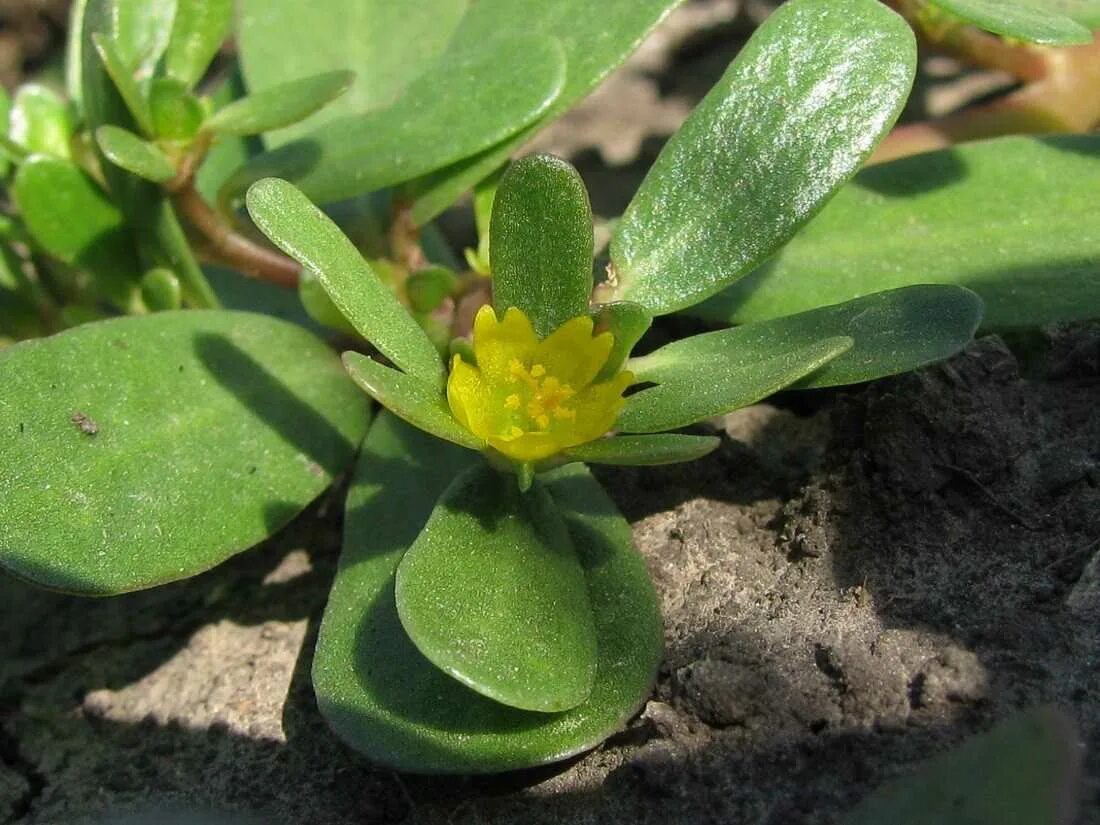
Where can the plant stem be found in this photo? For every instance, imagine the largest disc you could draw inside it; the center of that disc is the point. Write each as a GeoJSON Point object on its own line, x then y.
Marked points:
{"type": "Point", "coordinates": [222, 244]}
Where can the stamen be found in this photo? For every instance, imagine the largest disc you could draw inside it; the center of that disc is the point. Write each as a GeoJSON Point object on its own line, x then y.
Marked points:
{"type": "Point", "coordinates": [512, 402]}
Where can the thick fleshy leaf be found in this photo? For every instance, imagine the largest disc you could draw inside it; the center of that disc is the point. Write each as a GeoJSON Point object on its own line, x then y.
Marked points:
{"type": "Point", "coordinates": [426, 128]}
{"type": "Point", "coordinates": [893, 332]}
{"type": "Point", "coordinates": [1011, 219]}
{"type": "Point", "coordinates": [792, 119]}
{"type": "Point", "coordinates": [596, 37]}
{"type": "Point", "coordinates": [141, 32]}
{"type": "Point", "coordinates": [1033, 21]}
{"type": "Point", "coordinates": [160, 290]}
{"type": "Point", "coordinates": [120, 76]}
{"type": "Point", "coordinates": [420, 403]}
{"type": "Point", "coordinates": [385, 699]}
{"type": "Point", "coordinates": [540, 251]}
{"type": "Point", "coordinates": [73, 220]}
{"type": "Point", "coordinates": [280, 105]}
{"type": "Point", "coordinates": [176, 113]}
{"type": "Point", "coordinates": [644, 450]}
{"type": "Point", "coordinates": [627, 322]}
{"type": "Point", "coordinates": [697, 390]}
{"type": "Point", "coordinates": [39, 121]}
{"type": "Point", "coordinates": [306, 234]}
{"type": "Point", "coordinates": [142, 450]}
{"type": "Point", "coordinates": [144, 159]}
{"type": "Point", "coordinates": [388, 44]}
{"type": "Point", "coordinates": [198, 30]}
{"type": "Point", "coordinates": [1025, 771]}
{"type": "Point", "coordinates": [493, 593]}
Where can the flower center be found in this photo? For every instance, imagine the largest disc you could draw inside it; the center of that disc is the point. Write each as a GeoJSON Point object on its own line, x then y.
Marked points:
{"type": "Point", "coordinates": [539, 398]}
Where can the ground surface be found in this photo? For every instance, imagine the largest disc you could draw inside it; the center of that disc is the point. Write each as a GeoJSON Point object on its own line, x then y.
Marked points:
{"type": "Point", "coordinates": [853, 582]}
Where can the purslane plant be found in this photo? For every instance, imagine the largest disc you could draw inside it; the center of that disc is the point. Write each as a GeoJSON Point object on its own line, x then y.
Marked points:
{"type": "Point", "coordinates": [490, 611]}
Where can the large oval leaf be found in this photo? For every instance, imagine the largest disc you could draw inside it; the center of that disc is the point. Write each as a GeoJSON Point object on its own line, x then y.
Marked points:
{"type": "Point", "coordinates": [794, 116]}
{"type": "Point", "coordinates": [1012, 219]}
{"type": "Point", "coordinates": [493, 593]}
{"type": "Point", "coordinates": [141, 450]}
{"type": "Point", "coordinates": [384, 698]}
{"type": "Point", "coordinates": [540, 247]}
{"type": "Point", "coordinates": [596, 37]}
{"type": "Point", "coordinates": [892, 332]}
{"type": "Point", "coordinates": [464, 103]}
{"type": "Point", "coordinates": [388, 44]}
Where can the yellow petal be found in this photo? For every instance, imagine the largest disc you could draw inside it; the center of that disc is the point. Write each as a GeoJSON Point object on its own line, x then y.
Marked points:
{"type": "Point", "coordinates": [572, 354]}
{"type": "Point", "coordinates": [498, 343]}
{"type": "Point", "coordinates": [533, 446]}
{"type": "Point", "coordinates": [598, 407]}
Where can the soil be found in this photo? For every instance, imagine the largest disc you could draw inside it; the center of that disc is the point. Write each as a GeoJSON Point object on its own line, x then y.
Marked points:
{"type": "Point", "coordinates": [855, 581]}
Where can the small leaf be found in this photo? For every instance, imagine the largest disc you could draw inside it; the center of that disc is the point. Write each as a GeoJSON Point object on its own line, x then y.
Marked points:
{"type": "Point", "coordinates": [428, 288]}
{"type": "Point", "coordinates": [176, 113]}
{"type": "Point", "coordinates": [1026, 770]}
{"type": "Point", "coordinates": [39, 121]}
{"type": "Point", "coordinates": [141, 32]}
{"type": "Point", "coordinates": [493, 593]}
{"type": "Point", "coordinates": [596, 37]}
{"type": "Point", "coordinates": [385, 699]}
{"type": "Point", "coordinates": [140, 157]}
{"type": "Point", "coordinates": [151, 448]}
{"type": "Point", "coordinates": [388, 43]}
{"type": "Point", "coordinates": [697, 390]}
{"type": "Point", "coordinates": [123, 80]}
{"type": "Point", "coordinates": [73, 220]}
{"type": "Point", "coordinates": [1033, 21]}
{"type": "Point", "coordinates": [644, 450]}
{"type": "Point", "coordinates": [428, 127]}
{"type": "Point", "coordinates": [893, 332]}
{"type": "Point", "coordinates": [627, 322]}
{"type": "Point", "coordinates": [1011, 219]}
{"type": "Point", "coordinates": [306, 234]}
{"type": "Point", "coordinates": [280, 105]}
{"type": "Point", "coordinates": [421, 404]}
{"type": "Point", "coordinates": [198, 30]}
{"type": "Point", "coordinates": [792, 119]}
{"type": "Point", "coordinates": [319, 306]}
{"type": "Point", "coordinates": [540, 251]}
{"type": "Point", "coordinates": [160, 290]}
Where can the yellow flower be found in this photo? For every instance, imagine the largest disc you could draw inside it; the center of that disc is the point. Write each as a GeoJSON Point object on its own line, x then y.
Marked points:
{"type": "Point", "coordinates": [529, 398]}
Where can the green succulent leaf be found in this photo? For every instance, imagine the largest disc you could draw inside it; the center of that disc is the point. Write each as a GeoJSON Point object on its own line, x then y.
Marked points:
{"type": "Point", "coordinates": [596, 37]}
{"type": "Point", "coordinates": [382, 696]}
{"type": "Point", "coordinates": [39, 121]}
{"type": "Point", "coordinates": [280, 105]}
{"type": "Point", "coordinates": [147, 449]}
{"type": "Point", "coordinates": [493, 593]}
{"type": "Point", "coordinates": [893, 331]}
{"type": "Point", "coordinates": [198, 30]}
{"type": "Point", "coordinates": [176, 113]}
{"type": "Point", "coordinates": [160, 290]}
{"type": "Point", "coordinates": [627, 322]}
{"type": "Point", "coordinates": [141, 32]}
{"type": "Point", "coordinates": [428, 288]}
{"type": "Point", "coordinates": [644, 450]}
{"type": "Point", "coordinates": [121, 76]}
{"type": "Point", "coordinates": [306, 234]}
{"type": "Point", "coordinates": [140, 157]}
{"type": "Point", "coordinates": [426, 128]}
{"type": "Point", "coordinates": [1026, 770]}
{"type": "Point", "coordinates": [73, 220]}
{"type": "Point", "coordinates": [388, 43]}
{"type": "Point", "coordinates": [319, 306]}
{"type": "Point", "coordinates": [419, 402]}
{"type": "Point", "coordinates": [1033, 21]}
{"type": "Point", "coordinates": [792, 119]}
{"type": "Point", "coordinates": [697, 390]}
{"type": "Point", "coordinates": [107, 91]}
{"type": "Point", "coordinates": [1011, 219]}
{"type": "Point", "coordinates": [540, 251]}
